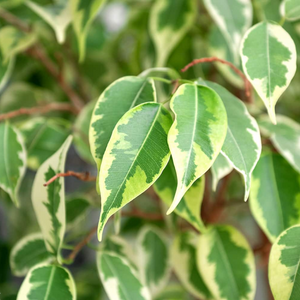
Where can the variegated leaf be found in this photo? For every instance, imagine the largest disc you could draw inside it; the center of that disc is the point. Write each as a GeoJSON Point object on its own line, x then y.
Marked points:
{"type": "Point", "coordinates": [49, 202]}
{"type": "Point", "coordinates": [122, 95]}
{"type": "Point", "coordinates": [269, 62]}
{"type": "Point", "coordinates": [275, 195]}
{"type": "Point", "coordinates": [152, 246]}
{"type": "Point", "coordinates": [242, 146]}
{"type": "Point", "coordinates": [48, 282]}
{"type": "Point", "coordinates": [14, 41]}
{"type": "Point", "coordinates": [183, 260]}
{"type": "Point", "coordinates": [27, 253]}
{"type": "Point", "coordinates": [226, 263]}
{"type": "Point", "coordinates": [170, 18]}
{"type": "Point", "coordinates": [284, 271]}
{"type": "Point", "coordinates": [190, 205]}
{"type": "Point", "coordinates": [12, 160]}
{"type": "Point", "coordinates": [195, 144]}
{"type": "Point", "coordinates": [285, 136]}
{"type": "Point", "coordinates": [291, 9]}
{"type": "Point", "coordinates": [83, 14]}
{"type": "Point", "coordinates": [119, 278]}
{"type": "Point", "coordinates": [134, 158]}
{"type": "Point", "coordinates": [221, 168]}
{"type": "Point", "coordinates": [57, 15]}
{"type": "Point", "coordinates": [160, 72]}
{"type": "Point", "coordinates": [76, 209]}
{"type": "Point", "coordinates": [233, 17]}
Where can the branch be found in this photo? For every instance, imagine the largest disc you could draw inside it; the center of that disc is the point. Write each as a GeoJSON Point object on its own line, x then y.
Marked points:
{"type": "Point", "coordinates": [81, 176]}
{"type": "Point", "coordinates": [13, 20]}
{"type": "Point", "coordinates": [39, 110]}
{"type": "Point", "coordinates": [225, 62]}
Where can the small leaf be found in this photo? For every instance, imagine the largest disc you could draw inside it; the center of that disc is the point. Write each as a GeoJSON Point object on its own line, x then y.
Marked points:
{"type": "Point", "coordinates": [190, 205]}
{"type": "Point", "coordinates": [12, 160]}
{"type": "Point", "coordinates": [5, 71]}
{"type": "Point", "coordinates": [226, 263]}
{"type": "Point", "coordinates": [160, 72]}
{"type": "Point", "coordinates": [291, 9]}
{"type": "Point", "coordinates": [27, 253]}
{"type": "Point", "coordinates": [153, 259]}
{"type": "Point", "coordinates": [83, 14]}
{"type": "Point", "coordinates": [275, 195]}
{"type": "Point", "coordinates": [183, 259]}
{"type": "Point", "coordinates": [285, 136]}
{"type": "Point", "coordinates": [284, 265]}
{"type": "Point", "coordinates": [75, 210]}
{"type": "Point", "coordinates": [119, 278]}
{"type": "Point", "coordinates": [195, 144]}
{"type": "Point", "coordinates": [57, 15]}
{"type": "Point", "coordinates": [49, 202]}
{"type": "Point", "coordinates": [134, 158]}
{"type": "Point", "coordinates": [242, 146]}
{"type": "Point", "coordinates": [170, 18]}
{"type": "Point", "coordinates": [48, 282]}
{"type": "Point", "coordinates": [233, 17]}
{"type": "Point", "coordinates": [269, 62]}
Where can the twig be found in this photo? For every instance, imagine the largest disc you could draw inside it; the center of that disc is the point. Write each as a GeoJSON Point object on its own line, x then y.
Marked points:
{"type": "Point", "coordinates": [232, 66]}
{"type": "Point", "coordinates": [39, 110]}
{"type": "Point", "coordinates": [81, 176]}
{"type": "Point", "coordinates": [13, 20]}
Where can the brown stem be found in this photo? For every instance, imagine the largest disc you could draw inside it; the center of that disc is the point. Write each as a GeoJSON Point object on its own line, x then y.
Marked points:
{"type": "Point", "coordinates": [81, 176]}
{"type": "Point", "coordinates": [232, 66]}
{"type": "Point", "coordinates": [13, 20]}
{"type": "Point", "coordinates": [39, 110]}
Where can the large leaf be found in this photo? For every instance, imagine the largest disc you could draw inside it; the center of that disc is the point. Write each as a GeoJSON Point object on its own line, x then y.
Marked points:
{"type": "Point", "coordinates": [48, 282]}
{"type": "Point", "coordinates": [226, 263]}
{"type": "Point", "coordinates": [119, 278]}
{"type": "Point", "coordinates": [135, 156]}
{"type": "Point", "coordinates": [190, 205]}
{"type": "Point", "coordinates": [195, 144]}
{"type": "Point", "coordinates": [49, 202]}
{"type": "Point", "coordinates": [242, 146]}
{"type": "Point", "coordinates": [285, 136]}
{"type": "Point", "coordinates": [57, 15]}
{"type": "Point", "coordinates": [83, 14]}
{"type": "Point", "coordinates": [275, 194]}
{"type": "Point", "coordinates": [291, 9]}
{"type": "Point", "coordinates": [12, 160]}
{"type": "Point", "coordinates": [27, 253]}
{"type": "Point", "coordinates": [122, 95]}
{"type": "Point", "coordinates": [269, 61]}
{"type": "Point", "coordinates": [233, 18]}
{"type": "Point", "coordinates": [153, 259]}
{"type": "Point", "coordinates": [284, 271]}
{"type": "Point", "coordinates": [170, 20]}
{"type": "Point", "coordinates": [183, 259]}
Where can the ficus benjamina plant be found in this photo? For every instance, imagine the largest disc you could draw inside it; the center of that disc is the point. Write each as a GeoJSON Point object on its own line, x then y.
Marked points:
{"type": "Point", "coordinates": [141, 153]}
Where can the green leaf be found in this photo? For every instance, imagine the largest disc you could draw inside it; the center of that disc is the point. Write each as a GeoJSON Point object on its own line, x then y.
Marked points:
{"type": "Point", "coordinates": [10, 3]}
{"type": "Point", "coordinates": [284, 271]}
{"type": "Point", "coordinates": [183, 259]}
{"type": "Point", "coordinates": [233, 18]}
{"type": "Point", "coordinates": [220, 169]}
{"type": "Point", "coordinates": [153, 259]}
{"type": "Point", "coordinates": [226, 263]}
{"type": "Point", "coordinates": [291, 9]}
{"type": "Point", "coordinates": [43, 137]}
{"type": "Point", "coordinates": [5, 71]}
{"type": "Point", "coordinates": [190, 205]}
{"type": "Point", "coordinates": [122, 95]}
{"type": "Point", "coordinates": [75, 210]}
{"type": "Point", "coordinates": [242, 146]}
{"type": "Point", "coordinates": [49, 202]}
{"type": "Point", "coordinates": [275, 195]}
{"type": "Point", "coordinates": [83, 14]}
{"type": "Point", "coordinates": [14, 41]}
{"type": "Point", "coordinates": [195, 144]}
{"type": "Point", "coordinates": [160, 72]}
{"type": "Point", "coordinates": [119, 278]}
{"type": "Point", "coordinates": [269, 62]}
{"type": "Point", "coordinates": [134, 158]}
{"type": "Point", "coordinates": [57, 15]}
{"type": "Point", "coordinates": [285, 137]}
{"type": "Point", "coordinates": [12, 160]}
{"type": "Point", "coordinates": [170, 20]}
{"type": "Point", "coordinates": [48, 282]}
{"type": "Point", "coordinates": [27, 253]}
